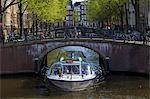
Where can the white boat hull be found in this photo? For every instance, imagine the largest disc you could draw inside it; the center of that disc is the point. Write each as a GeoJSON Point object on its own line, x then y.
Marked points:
{"type": "Point", "coordinates": [71, 75]}
{"type": "Point", "coordinates": [72, 85]}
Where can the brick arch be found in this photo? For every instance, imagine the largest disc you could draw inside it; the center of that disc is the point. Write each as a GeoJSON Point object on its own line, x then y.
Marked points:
{"type": "Point", "coordinates": [102, 57]}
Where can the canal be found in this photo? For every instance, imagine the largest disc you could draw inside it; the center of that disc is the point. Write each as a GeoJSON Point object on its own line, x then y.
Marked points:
{"type": "Point", "coordinates": [113, 87]}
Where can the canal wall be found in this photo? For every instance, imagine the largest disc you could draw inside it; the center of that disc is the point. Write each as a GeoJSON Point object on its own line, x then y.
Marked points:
{"type": "Point", "coordinates": [20, 57]}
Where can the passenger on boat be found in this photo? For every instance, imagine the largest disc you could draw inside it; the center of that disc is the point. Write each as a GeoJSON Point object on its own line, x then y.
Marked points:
{"type": "Point", "coordinates": [75, 69]}
{"type": "Point", "coordinates": [55, 71]}
{"type": "Point", "coordinates": [59, 72]}
{"type": "Point", "coordinates": [86, 70]}
{"type": "Point", "coordinates": [66, 71]}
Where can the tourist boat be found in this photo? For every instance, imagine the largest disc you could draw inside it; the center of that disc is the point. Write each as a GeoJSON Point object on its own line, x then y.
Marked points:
{"type": "Point", "coordinates": [71, 74]}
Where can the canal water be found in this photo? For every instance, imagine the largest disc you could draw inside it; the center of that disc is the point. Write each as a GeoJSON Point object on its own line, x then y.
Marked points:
{"type": "Point", "coordinates": [113, 87]}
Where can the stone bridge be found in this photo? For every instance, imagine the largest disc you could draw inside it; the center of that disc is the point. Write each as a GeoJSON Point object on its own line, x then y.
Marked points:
{"type": "Point", "coordinates": [27, 57]}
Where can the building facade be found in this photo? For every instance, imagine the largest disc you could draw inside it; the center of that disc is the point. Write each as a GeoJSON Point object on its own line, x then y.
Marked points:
{"type": "Point", "coordinates": [68, 20]}
{"type": "Point", "coordinates": [11, 18]}
{"type": "Point", "coordinates": [144, 18]}
{"type": "Point", "coordinates": [69, 16]}
{"type": "Point", "coordinates": [131, 14]}
{"type": "Point", "coordinates": [81, 9]}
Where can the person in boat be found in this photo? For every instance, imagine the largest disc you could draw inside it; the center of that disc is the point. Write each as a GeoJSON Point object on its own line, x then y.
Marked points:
{"type": "Point", "coordinates": [88, 70]}
{"type": "Point", "coordinates": [75, 69]}
{"type": "Point", "coordinates": [85, 70]}
{"type": "Point", "coordinates": [66, 71]}
{"type": "Point", "coordinates": [59, 72]}
{"type": "Point", "coordinates": [55, 71]}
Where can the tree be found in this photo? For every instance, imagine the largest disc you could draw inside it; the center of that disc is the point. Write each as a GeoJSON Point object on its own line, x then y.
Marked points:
{"type": "Point", "coordinates": [22, 8]}
{"type": "Point", "coordinates": [6, 4]}
{"type": "Point", "coordinates": [106, 10]}
{"type": "Point", "coordinates": [3, 7]}
{"type": "Point", "coordinates": [48, 10]}
{"type": "Point", "coordinates": [135, 4]}
{"type": "Point", "coordinates": [120, 5]}
{"type": "Point", "coordinates": [101, 10]}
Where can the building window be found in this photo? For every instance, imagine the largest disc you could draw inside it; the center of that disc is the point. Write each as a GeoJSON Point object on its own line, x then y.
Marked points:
{"type": "Point", "coordinates": [68, 7]}
{"type": "Point", "coordinates": [67, 18]}
{"type": "Point", "coordinates": [28, 16]}
{"type": "Point", "coordinates": [78, 13]}
{"type": "Point", "coordinates": [82, 7]}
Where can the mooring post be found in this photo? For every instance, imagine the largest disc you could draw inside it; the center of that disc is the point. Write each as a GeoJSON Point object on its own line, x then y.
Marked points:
{"type": "Point", "coordinates": [36, 65]}
{"type": "Point", "coordinates": [107, 64]}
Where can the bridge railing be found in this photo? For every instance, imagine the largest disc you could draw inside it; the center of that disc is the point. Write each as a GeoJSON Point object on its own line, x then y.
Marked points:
{"type": "Point", "coordinates": [91, 33]}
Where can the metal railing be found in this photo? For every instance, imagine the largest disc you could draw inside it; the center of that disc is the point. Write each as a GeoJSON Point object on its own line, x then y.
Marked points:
{"type": "Point", "coordinates": [97, 33]}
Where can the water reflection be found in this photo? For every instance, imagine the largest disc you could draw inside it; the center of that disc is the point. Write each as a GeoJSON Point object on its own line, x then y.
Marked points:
{"type": "Point", "coordinates": [114, 87]}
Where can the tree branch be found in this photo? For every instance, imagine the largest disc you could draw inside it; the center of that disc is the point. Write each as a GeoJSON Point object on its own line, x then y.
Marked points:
{"type": "Point", "coordinates": [12, 3]}
{"type": "Point", "coordinates": [119, 6]}
{"type": "Point", "coordinates": [133, 3]}
{"type": "Point", "coordinates": [5, 3]}
{"type": "Point", "coordinates": [25, 9]}
{"type": "Point", "coordinates": [22, 3]}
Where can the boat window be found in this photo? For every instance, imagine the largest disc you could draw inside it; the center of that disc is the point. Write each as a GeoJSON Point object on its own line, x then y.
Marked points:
{"type": "Point", "coordinates": [74, 54]}
{"type": "Point", "coordinates": [71, 69]}
{"type": "Point", "coordinates": [55, 69]}
{"type": "Point", "coordinates": [79, 54]}
{"type": "Point", "coordinates": [85, 69]}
